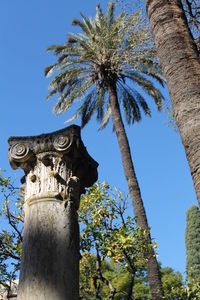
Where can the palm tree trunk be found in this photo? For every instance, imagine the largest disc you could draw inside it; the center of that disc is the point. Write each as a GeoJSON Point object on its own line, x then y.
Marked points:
{"type": "Point", "coordinates": [139, 211]}
{"type": "Point", "coordinates": [181, 64]}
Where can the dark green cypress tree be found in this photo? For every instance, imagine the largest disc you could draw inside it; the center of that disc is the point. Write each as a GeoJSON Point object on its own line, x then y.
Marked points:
{"type": "Point", "coordinates": [192, 241]}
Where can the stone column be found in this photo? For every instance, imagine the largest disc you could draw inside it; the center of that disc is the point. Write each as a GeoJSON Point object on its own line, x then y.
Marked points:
{"type": "Point", "coordinates": [57, 169]}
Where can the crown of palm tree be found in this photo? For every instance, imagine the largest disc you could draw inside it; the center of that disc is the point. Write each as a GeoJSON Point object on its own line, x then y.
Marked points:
{"type": "Point", "coordinates": [110, 50]}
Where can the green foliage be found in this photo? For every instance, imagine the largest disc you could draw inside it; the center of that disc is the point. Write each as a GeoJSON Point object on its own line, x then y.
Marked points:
{"type": "Point", "coordinates": [91, 285]}
{"type": "Point", "coordinates": [192, 291]}
{"type": "Point", "coordinates": [111, 235]}
{"type": "Point", "coordinates": [110, 49]}
{"type": "Point", "coordinates": [192, 241]}
{"type": "Point", "coordinates": [11, 236]}
{"type": "Point", "coordinates": [192, 12]}
{"type": "Point", "coordinates": [172, 283]}
{"type": "Point", "coordinates": [114, 250]}
{"type": "Point", "coordinates": [110, 242]}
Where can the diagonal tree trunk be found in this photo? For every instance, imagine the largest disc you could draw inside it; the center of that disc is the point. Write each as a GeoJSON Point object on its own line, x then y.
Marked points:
{"type": "Point", "coordinates": [139, 211]}
{"type": "Point", "coordinates": [181, 64]}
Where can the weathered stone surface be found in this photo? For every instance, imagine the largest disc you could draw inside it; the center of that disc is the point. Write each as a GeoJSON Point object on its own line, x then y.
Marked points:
{"type": "Point", "coordinates": [57, 152]}
{"type": "Point", "coordinates": [57, 169]}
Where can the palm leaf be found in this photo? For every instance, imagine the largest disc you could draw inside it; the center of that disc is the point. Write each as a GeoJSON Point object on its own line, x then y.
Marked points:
{"type": "Point", "coordinates": [109, 16]}
{"type": "Point", "coordinates": [56, 48]}
{"type": "Point", "coordinates": [148, 87]}
{"type": "Point", "coordinates": [88, 108]}
{"type": "Point", "coordinates": [130, 105]}
{"type": "Point", "coordinates": [89, 23]}
{"type": "Point", "coordinates": [82, 25]}
{"type": "Point", "coordinates": [159, 78]}
{"type": "Point", "coordinates": [67, 96]}
{"type": "Point", "coordinates": [143, 104]}
{"type": "Point", "coordinates": [49, 70]}
{"type": "Point", "coordinates": [100, 103]}
{"type": "Point", "coordinates": [82, 109]}
{"type": "Point", "coordinates": [53, 92]}
{"type": "Point", "coordinates": [106, 117]}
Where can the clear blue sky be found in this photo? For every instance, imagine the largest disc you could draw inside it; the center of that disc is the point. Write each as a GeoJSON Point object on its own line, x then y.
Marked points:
{"type": "Point", "coordinates": [27, 28]}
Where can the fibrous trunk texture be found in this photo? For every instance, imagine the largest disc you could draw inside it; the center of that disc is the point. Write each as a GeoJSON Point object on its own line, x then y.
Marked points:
{"type": "Point", "coordinates": [181, 64]}
{"type": "Point", "coordinates": [139, 211]}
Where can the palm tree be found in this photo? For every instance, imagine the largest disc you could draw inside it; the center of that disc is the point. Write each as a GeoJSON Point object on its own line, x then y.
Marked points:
{"type": "Point", "coordinates": [180, 61]}
{"type": "Point", "coordinates": [107, 66]}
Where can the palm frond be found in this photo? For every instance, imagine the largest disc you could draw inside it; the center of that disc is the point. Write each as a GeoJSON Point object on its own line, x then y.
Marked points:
{"type": "Point", "coordinates": [71, 40]}
{"type": "Point", "coordinates": [53, 92]}
{"type": "Point", "coordinates": [130, 105]}
{"type": "Point", "coordinates": [159, 78]}
{"type": "Point", "coordinates": [99, 18]}
{"type": "Point", "coordinates": [62, 58]}
{"type": "Point", "coordinates": [82, 25]}
{"type": "Point", "coordinates": [106, 117]}
{"type": "Point", "coordinates": [88, 108]}
{"type": "Point", "coordinates": [57, 80]}
{"type": "Point", "coordinates": [81, 43]}
{"type": "Point", "coordinates": [79, 92]}
{"type": "Point", "coordinates": [67, 78]}
{"type": "Point", "coordinates": [100, 103]}
{"type": "Point", "coordinates": [109, 16]}
{"type": "Point", "coordinates": [117, 28]}
{"type": "Point", "coordinates": [67, 96]}
{"type": "Point", "coordinates": [56, 48]}
{"type": "Point", "coordinates": [138, 98]}
{"type": "Point", "coordinates": [151, 68]}
{"type": "Point", "coordinates": [142, 102]}
{"type": "Point", "coordinates": [83, 108]}
{"type": "Point", "coordinates": [148, 87]}
{"type": "Point", "coordinates": [49, 70]}
{"type": "Point", "coordinates": [89, 23]}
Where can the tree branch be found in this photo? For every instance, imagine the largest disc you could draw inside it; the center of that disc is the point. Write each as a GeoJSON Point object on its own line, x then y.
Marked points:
{"type": "Point", "coordinates": [9, 215]}
{"type": "Point", "coordinates": [103, 279]}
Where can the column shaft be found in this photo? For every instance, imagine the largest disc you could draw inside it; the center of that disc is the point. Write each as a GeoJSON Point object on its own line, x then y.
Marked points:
{"type": "Point", "coordinates": [50, 259]}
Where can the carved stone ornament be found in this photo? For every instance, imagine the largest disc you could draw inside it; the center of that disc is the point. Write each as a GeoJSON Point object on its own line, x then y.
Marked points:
{"type": "Point", "coordinates": [53, 163]}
